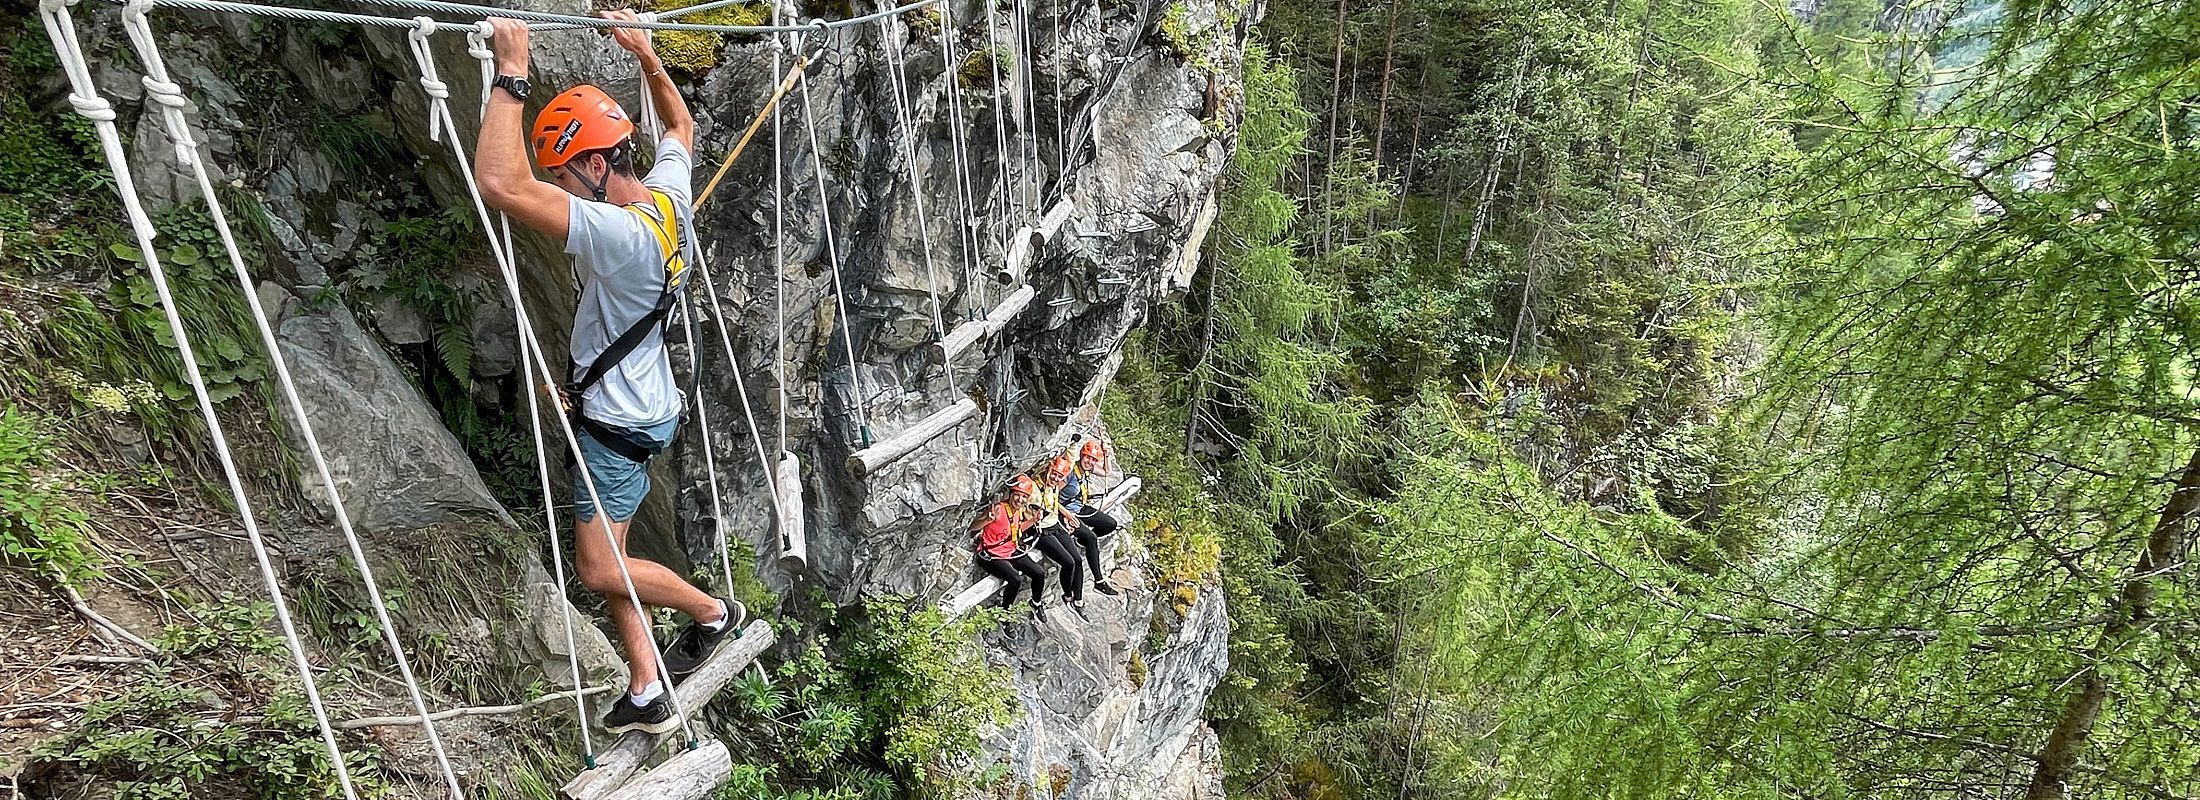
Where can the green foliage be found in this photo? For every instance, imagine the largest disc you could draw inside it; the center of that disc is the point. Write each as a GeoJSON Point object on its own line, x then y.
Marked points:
{"type": "Point", "coordinates": [978, 68]}
{"type": "Point", "coordinates": [41, 528]}
{"type": "Point", "coordinates": [696, 51]}
{"type": "Point", "coordinates": [890, 705]}
{"type": "Point", "coordinates": [165, 738]}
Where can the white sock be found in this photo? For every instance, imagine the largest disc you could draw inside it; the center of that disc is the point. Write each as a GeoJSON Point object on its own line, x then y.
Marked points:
{"type": "Point", "coordinates": [725, 616]}
{"type": "Point", "coordinates": [648, 694]}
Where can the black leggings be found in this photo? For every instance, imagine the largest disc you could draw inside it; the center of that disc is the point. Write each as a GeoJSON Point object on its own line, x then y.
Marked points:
{"type": "Point", "coordinates": [1060, 550]}
{"type": "Point", "coordinates": [1011, 572]}
{"type": "Point", "coordinates": [1096, 525]}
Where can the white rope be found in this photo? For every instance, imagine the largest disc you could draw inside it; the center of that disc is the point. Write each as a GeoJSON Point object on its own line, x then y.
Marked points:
{"type": "Point", "coordinates": [1026, 110]}
{"type": "Point", "coordinates": [741, 390]}
{"type": "Point", "coordinates": [832, 250]}
{"type": "Point", "coordinates": [1061, 114]}
{"type": "Point", "coordinates": [1000, 128]}
{"type": "Point", "coordinates": [84, 97]}
{"type": "Point", "coordinates": [895, 58]}
{"type": "Point", "coordinates": [966, 230]}
{"type": "Point", "coordinates": [779, 240]}
{"type": "Point", "coordinates": [166, 94]}
{"type": "Point", "coordinates": [477, 45]}
{"type": "Point", "coordinates": [439, 118]}
{"type": "Point", "coordinates": [572, 22]}
{"type": "Point", "coordinates": [710, 448]}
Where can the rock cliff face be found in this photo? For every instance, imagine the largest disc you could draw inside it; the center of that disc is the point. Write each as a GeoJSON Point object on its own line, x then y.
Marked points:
{"type": "Point", "coordinates": [1125, 110]}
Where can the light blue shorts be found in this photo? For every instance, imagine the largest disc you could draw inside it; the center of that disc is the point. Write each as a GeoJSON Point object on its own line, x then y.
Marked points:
{"type": "Point", "coordinates": [620, 483]}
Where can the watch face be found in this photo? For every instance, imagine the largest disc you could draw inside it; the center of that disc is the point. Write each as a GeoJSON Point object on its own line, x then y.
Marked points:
{"type": "Point", "coordinates": [517, 86]}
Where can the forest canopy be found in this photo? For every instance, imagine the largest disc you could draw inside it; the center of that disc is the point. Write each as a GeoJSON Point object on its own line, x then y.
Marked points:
{"type": "Point", "coordinates": [1641, 399]}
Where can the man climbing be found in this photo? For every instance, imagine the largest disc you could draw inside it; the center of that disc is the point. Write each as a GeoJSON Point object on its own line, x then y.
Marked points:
{"type": "Point", "coordinates": [628, 239]}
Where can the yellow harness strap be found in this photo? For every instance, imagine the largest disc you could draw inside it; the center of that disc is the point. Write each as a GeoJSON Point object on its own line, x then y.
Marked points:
{"type": "Point", "coordinates": [667, 228]}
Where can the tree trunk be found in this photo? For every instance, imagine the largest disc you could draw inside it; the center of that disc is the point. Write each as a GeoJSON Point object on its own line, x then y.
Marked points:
{"type": "Point", "coordinates": [1382, 95]}
{"type": "Point", "coordinates": [2133, 603]}
{"type": "Point", "coordinates": [1336, 97]}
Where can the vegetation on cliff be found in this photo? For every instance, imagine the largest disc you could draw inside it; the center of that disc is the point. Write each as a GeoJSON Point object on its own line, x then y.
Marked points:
{"type": "Point", "coordinates": [1624, 399]}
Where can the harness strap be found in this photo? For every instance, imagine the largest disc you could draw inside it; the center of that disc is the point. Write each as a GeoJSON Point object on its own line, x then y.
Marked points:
{"type": "Point", "coordinates": [668, 241]}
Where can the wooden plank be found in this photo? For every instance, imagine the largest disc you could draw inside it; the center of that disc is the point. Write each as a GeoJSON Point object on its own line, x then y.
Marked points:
{"type": "Point", "coordinates": [970, 333]}
{"type": "Point", "coordinates": [893, 448]}
{"type": "Point", "coordinates": [1022, 248]}
{"type": "Point", "coordinates": [793, 543]}
{"type": "Point", "coordinates": [1051, 224]}
{"type": "Point", "coordinates": [977, 593]}
{"type": "Point", "coordinates": [692, 775]}
{"type": "Point", "coordinates": [625, 757]}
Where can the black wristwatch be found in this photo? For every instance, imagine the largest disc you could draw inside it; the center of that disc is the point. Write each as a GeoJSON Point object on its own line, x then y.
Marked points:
{"type": "Point", "coordinates": [512, 83]}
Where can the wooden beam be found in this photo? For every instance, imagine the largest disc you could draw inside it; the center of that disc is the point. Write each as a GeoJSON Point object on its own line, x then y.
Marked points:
{"type": "Point", "coordinates": [1051, 224]}
{"type": "Point", "coordinates": [970, 333]}
{"type": "Point", "coordinates": [793, 544]}
{"type": "Point", "coordinates": [977, 593]}
{"type": "Point", "coordinates": [622, 759]}
{"type": "Point", "coordinates": [692, 775]}
{"type": "Point", "coordinates": [893, 448]}
{"type": "Point", "coordinates": [1022, 248]}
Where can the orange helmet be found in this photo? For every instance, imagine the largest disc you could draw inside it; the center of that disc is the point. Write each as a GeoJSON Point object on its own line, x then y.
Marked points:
{"type": "Point", "coordinates": [578, 120]}
{"type": "Point", "coordinates": [1058, 469]}
{"type": "Point", "coordinates": [1023, 485]}
{"type": "Point", "coordinates": [1093, 449]}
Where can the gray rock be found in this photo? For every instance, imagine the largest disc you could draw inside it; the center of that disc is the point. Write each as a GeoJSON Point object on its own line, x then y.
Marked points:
{"type": "Point", "coordinates": [398, 322]}
{"type": "Point", "coordinates": [395, 464]}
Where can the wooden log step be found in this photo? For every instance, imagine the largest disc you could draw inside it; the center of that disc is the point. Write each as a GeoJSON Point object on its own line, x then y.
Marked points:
{"type": "Point", "coordinates": [970, 333]}
{"type": "Point", "coordinates": [1051, 224]}
{"type": "Point", "coordinates": [617, 763]}
{"type": "Point", "coordinates": [868, 460]}
{"type": "Point", "coordinates": [1022, 248]}
{"type": "Point", "coordinates": [692, 775]}
{"type": "Point", "coordinates": [787, 481]}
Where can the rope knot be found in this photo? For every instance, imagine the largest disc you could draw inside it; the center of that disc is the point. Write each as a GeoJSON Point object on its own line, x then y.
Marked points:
{"type": "Point", "coordinates": [422, 27]}
{"type": "Point", "coordinates": [166, 93]}
{"type": "Point", "coordinates": [435, 88]}
{"type": "Point", "coordinates": [55, 6]}
{"type": "Point", "coordinates": [93, 107]}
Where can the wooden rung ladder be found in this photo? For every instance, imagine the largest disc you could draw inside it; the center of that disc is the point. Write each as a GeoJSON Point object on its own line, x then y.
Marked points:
{"type": "Point", "coordinates": [970, 333]}
{"type": "Point", "coordinates": [794, 548]}
{"type": "Point", "coordinates": [686, 776]}
{"type": "Point", "coordinates": [870, 459]}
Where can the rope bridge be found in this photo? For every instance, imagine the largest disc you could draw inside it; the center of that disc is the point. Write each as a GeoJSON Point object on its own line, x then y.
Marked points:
{"type": "Point", "coordinates": [612, 772]}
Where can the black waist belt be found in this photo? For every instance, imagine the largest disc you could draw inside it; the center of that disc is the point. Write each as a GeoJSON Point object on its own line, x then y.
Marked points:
{"type": "Point", "coordinates": [628, 443]}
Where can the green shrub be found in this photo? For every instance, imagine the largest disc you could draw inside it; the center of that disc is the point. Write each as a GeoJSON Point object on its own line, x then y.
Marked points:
{"type": "Point", "coordinates": [40, 527]}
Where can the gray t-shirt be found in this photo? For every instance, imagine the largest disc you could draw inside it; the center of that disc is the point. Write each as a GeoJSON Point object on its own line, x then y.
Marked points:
{"type": "Point", "coordinates": [621, 269]}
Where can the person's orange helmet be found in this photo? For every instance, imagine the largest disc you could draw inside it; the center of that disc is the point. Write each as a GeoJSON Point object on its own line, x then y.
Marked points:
{"type": "Point", "coordinates": [1058, 469]}
{"type": "Point", "coordinates": [1023, 485]}
{"type": "Point", "coordinates": [1093, 449]}
{"type": "Point", "coordinates": [578, 120]}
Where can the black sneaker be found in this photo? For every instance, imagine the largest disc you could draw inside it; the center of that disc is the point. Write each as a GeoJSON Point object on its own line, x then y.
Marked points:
{"type": "Point", "coordinates": [698, 642]}
{"type": "Point", "coordinates": [655, 718]}
{"type": "Point", "coordinates": [1106, 588]}
{"type": "Point", "coordinates": [1078, 608]}
{"type": "Point", "coordinates": [1038, 615]}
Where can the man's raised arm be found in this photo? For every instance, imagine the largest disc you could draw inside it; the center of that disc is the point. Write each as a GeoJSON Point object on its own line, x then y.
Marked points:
{"type": "Point", "coordinates": [672, 110]}
{"type": "Point", "coordinates": [501, 167]}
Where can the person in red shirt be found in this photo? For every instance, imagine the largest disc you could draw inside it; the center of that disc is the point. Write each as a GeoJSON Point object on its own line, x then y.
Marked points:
{"type": "Point", "coordinates": [1003, 549]}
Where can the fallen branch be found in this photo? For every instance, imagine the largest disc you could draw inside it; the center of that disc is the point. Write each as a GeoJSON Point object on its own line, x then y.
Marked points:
{"type": "Point", "coordinates": [471, 711]}
{"type": "Point", "coordinates": [108, 630]}
{"type": "Point", "coordinates": [99, 661]}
